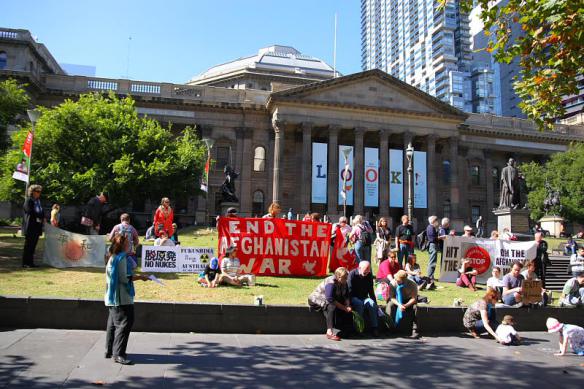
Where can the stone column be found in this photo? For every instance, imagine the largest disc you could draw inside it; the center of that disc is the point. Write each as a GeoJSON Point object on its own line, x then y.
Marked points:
{"type": "Point", "coordinates": [408, 138]}
{"type": "Point", "coordinates": [384, 173]}
{"type": "Point", "coordinates": [359, 171]}
{"type": "Point", "coordinates": [245, 169]}
{"type": "Point", "coordinates": [431, 172]}
{"type": "Point", "coordinates": [305, 188]}
{"type": "Point", "coordinates": [279, 134]}
{"type": "Point", "coordinates": [454, 191]}
{"type": "Point", "coordinates": [333, 168]}
{"type": "Point", "coordinates": [487, 214]}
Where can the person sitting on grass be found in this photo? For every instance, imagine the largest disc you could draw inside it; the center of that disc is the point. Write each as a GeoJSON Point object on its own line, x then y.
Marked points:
{"type": "Point", "coordinates": [573, 292]}
{"type": "Point", "coordinates": [163, 239]}
{"type": "Point", "coordinates": [529, 273]}
{"type": "Point", "coordinates": [495, 282]}
{"type": "Point", "coordinates": [331, 297]}
{"type": "Point", "coordinates": [467, 276]}
{"type": "Point", "coordinates": [415, 273]}
{"type": "Point", "coordinates": [569, 334]}
{"type": "Point", "coordinates": [362, 296]}
{"type": "Point", "coordinates": [174, 236]}
{"type": "Point", "coordinates": [512, 282]}
{"type": "Point", "coordinates": [231, 273]}
{"type": "Point", "coordinates": [577, 262]}
{"type": "Point", "coordinates": [211, 277]}
{"type": "Point", "coordinates": [388, 268]}
{"type": "Point", "coordinates": [480, 316]}
{"type": "Point", "coordinates": [403, 300]}
{"type": "Point", "coordinates": [506, 333]}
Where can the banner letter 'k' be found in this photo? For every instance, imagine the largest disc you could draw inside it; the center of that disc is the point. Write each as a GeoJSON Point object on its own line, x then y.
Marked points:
{"type": "Point", "coordinates": [395, 177]}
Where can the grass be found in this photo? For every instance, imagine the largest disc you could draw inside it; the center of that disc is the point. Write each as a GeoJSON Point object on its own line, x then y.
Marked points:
{"type": "Point", "coordinates": [90, 282]}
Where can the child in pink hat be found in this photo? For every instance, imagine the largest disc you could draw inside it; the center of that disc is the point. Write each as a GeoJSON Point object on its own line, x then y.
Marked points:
{"type": "Point", "coordinates": [568, 334]}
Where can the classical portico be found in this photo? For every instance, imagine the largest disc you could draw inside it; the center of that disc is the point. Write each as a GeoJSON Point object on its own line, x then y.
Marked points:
{"type": "Point", "coordinates": [369, 109]}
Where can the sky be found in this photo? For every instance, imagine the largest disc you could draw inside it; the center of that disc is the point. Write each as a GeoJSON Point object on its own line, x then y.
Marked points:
{"type": "Point", "coordinates": [174, 40]}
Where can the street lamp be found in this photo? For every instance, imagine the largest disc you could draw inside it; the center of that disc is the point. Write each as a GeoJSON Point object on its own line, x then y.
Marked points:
{"type": "Point", "coordinates": [346, 153]}
{"type": "Point", "coordinates": [209, 143]}
{"type": "Point", "coordinates": [33, 115]}
{"type": "Point", "coordinates": [410, 156]}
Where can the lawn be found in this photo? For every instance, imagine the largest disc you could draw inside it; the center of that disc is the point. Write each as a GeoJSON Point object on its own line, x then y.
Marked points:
{"type": "Point", "coordinates": [90, 282]}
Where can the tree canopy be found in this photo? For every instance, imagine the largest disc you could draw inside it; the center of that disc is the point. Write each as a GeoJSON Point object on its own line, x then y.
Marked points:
{"type": "Point", "coordinates": [13, 102]}
{"type": "Point", "coordinates": [563, 172]}
{"type": "Point", "coordinates": [550, 49]}
{"type": "Point", "coordinates": [100, 143]}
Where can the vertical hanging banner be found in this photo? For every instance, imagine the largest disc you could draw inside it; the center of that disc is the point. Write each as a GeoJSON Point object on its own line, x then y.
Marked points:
{"type": "Point", "coordinates": [420, 180]}
{"type": "Point", "coordinates": [23, 167]}
{"type": "Point", "coordinates": [319, 172]}
{"type": "Point", "coordinates": [371, 176]}
{"type": "Point", "coordinates": [205, 176]}
{"type": "Point", "coordinates": [349, 183]}
{"type": "Point", "coordinates": [396, 181]}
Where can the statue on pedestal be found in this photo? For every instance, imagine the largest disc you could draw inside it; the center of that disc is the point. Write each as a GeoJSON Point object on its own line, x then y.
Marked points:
{"type": "Point", "coordinates": [510, 192]}
{"type": "Point", "coordinates": [228, 186]}
{"type": "Point", "coordinates": [552, 201]}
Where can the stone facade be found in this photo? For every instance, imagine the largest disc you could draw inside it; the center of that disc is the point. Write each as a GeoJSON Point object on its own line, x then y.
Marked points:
{"type": "Point", "coordinates": [267, 137]}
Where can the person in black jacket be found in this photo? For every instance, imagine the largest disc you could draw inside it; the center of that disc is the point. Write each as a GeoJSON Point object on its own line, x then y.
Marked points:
{"type": "Point", "coordinates": [93, 214]}
{"type": "Point", "coordinates": [32, 226]}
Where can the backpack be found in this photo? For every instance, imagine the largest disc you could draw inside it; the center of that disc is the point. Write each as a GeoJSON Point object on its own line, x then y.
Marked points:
{"type": "Point", "coordinates": [365, 237]}
{"type": "Point", "coordinates": [422, 241]}
{"type": "Point", "coordinates": [126, 230]}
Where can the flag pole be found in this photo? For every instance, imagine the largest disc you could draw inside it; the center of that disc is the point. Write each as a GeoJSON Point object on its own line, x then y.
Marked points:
{"type": "Point", "coordinates": [33, 115]}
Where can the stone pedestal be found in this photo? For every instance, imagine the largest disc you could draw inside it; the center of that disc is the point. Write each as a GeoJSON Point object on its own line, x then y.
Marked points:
{"type": "Point", "coordinates": [516, 220]}
{"type": "Point", "coordinates": [226, 205]}
{"type": "Point", "coordinates": [553, 224]}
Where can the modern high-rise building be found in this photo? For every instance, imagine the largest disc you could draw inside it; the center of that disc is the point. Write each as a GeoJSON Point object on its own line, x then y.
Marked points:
{"type": "Point", "coordinates": [426, 47]}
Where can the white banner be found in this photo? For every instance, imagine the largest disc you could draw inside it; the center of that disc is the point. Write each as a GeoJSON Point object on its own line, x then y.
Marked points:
{"type": "Point", "coordinates": [350, 181]}
{"type": "Point", "coordinates": [67, 249]}
{"type": "Point", "coordinates": [177, 259]}
{"type": "Point", "coordinates": [396, 178]}
{"type": "Point", "coordinates": [371, 176]}
{"type": "Point", "coordinates": [484, 255]}
{"type": "Point", "coordinates": [319, 173]}
{"type": "Point", "coordinates": [420, 180]}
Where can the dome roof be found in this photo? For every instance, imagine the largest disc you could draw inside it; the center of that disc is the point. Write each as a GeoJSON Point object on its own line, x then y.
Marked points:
{"type": "Point", "coordinates": [273, 59]}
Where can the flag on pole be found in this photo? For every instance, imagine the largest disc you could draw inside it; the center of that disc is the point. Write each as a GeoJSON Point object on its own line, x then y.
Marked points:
{"type": "Point", "coordinates": [23, 167]}
{"type": "Point", "coordinates": [205, 178]}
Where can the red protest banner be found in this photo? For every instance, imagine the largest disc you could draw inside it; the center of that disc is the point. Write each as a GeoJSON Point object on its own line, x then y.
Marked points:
{"type": "Point", "coordinates": [341, 256]}
{"type": "Point", "coordinates": [277, 247]}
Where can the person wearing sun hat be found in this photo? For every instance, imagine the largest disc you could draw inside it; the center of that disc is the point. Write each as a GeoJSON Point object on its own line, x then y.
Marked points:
{"type": "Point", "coordinates": [211, 277]}
{"type": "Point", "coordinates": [569, 333]}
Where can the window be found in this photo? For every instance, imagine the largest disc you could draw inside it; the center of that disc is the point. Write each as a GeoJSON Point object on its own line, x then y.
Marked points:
{"type": "Point", "coordinates": [3, 59]}
{"type": "Point", "coordinates": [475, 213]}
{"type": "Point", "coordinates": [495, 178]}
{"type": "Point", "coordinates": [446, 209]}
{"type": "Point", "coordinates": [475, 175]}
{"type": "Point", "coordinates": [445, 172]}
{"type": "Point", "coordinates": [258, 203]}
{"type": "Point", "coordinates": [222, 157]}
{"type": "Point", "coordinates": [259, 159]}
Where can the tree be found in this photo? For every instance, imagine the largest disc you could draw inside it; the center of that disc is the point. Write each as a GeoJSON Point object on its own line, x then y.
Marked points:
{"type": "Point", "coordinates": [13, 102]}
{"type": "Point", "coordinates": [550, 50]}
{"type": "Point", "coordinates": [100, 143]}
{"type": "Point", "coordinates": [563, 172]}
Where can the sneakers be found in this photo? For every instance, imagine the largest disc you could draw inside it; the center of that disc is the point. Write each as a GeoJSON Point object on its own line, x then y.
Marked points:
{"type": "Point", "coordinates": [431, 286]}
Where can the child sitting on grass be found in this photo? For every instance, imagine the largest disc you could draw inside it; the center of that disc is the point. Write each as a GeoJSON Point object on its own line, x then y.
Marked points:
{"type": "Point", "coordinates": [211, 276]}
{"type": "Point", "coordinates": [506, 333]}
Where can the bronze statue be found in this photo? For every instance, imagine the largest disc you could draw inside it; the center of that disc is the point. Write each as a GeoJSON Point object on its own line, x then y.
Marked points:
{"type": "Point", "coordinates": [228, 186]}
{"type": "Point", "coordinates": [509, 186]}
{"type": "Point", "coordinates": [552, 201]}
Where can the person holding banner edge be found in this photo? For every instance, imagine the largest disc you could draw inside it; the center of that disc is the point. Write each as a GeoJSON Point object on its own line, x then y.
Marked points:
{"type": "Point", "coordinates": [32, 226]}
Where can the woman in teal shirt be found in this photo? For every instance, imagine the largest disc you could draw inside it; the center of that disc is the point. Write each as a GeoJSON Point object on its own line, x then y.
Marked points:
{"type": "Point", "coordinates": [119, 298]}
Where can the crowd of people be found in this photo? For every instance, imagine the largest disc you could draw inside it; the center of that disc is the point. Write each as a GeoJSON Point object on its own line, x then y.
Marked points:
{"type": "Point", "coordinates": [347, 297]}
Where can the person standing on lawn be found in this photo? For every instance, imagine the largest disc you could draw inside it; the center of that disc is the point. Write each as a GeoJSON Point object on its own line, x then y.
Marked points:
{"type": "Point", "coordinates": [404, 239]}
{"type": "Point", "coordinates": [163, 218]}
{"type": "Point", "coordinates": [433, 247]}
{"type": "Point", "coordinates": [126, 229]}
{"type": "Point", "coordinates": [32, 224]}
{"type": "Point", "coordinates": [94, 213]}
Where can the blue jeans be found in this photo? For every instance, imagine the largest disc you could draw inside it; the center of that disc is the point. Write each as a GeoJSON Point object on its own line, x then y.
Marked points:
{"type": "Point", "coordinates": [368, 304]}
{"type": "Point", "coordinates": [509, 299]}
{"type": "Point", "coordinates": [362, 252]}
{"type": "Point", "coordinates": [492, 316]}
{"type": "Point", "coordinates": [404, 251]}
{"type": "Point", "coordinates": [432, 260]}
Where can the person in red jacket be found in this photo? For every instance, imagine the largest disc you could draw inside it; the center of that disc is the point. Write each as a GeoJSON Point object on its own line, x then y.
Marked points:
{"type": "Point", "coordinates": [163, 218]}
